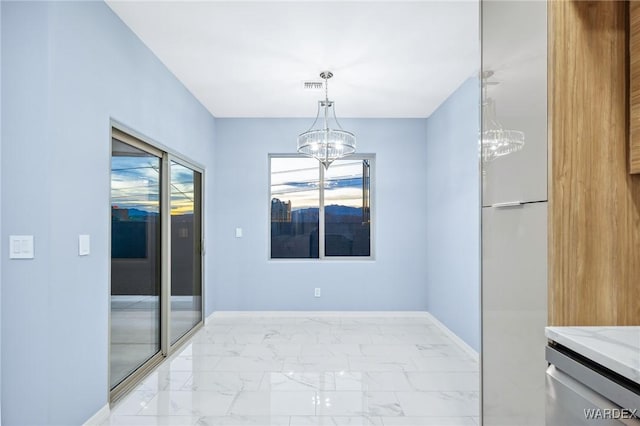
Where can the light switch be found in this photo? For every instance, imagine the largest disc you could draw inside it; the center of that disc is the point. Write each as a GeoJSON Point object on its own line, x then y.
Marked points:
{"type": "Point", "coordinates": [84, 245]}
{"type": "Point", "coordinates": [21, 247]}
{"type": "Point", "coordinates": [238, 232]}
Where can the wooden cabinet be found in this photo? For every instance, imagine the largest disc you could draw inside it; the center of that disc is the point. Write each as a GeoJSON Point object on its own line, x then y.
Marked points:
{"type": "Point", "coordinates": [634, 87]}
{"type": "Point", "coordinates": [594, 203]}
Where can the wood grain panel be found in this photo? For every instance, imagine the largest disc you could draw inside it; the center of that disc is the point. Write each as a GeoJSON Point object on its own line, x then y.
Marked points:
{"type": "Point", "coordinates": [594, 203]}
{"type": "Point", "coordinates": [634, 87]}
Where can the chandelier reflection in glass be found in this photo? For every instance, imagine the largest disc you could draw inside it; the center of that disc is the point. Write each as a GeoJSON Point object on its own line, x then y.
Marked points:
{"type": "Point", "coordinates": [496, 140]}
{"type": "Point", "coordinates": [329, 142]}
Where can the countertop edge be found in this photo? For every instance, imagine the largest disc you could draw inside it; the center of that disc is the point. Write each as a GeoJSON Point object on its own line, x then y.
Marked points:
{"type": "Point", "coordinates": [555, 334]}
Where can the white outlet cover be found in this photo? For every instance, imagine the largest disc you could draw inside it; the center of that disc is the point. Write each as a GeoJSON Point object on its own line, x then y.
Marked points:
{"type": "Point", "coordinates": [238, 232]}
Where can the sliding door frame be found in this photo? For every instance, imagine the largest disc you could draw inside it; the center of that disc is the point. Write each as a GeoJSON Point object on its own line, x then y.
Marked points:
{"type": "Point", "coordinates": [124, 134]}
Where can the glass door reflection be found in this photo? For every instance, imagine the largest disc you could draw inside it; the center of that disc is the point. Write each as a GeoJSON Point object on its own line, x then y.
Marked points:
{"type": "Point", "coordinates": [135, 259]}
{"type": "Point", "coordinates": [186, 259]}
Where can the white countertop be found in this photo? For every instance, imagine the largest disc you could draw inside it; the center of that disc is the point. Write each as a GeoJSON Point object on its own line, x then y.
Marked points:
{"type": "Point", "coordinates": [617, 348]}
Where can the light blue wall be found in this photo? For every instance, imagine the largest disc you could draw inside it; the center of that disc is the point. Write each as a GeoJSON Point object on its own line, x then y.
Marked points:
{"type": "Point", "coordinates": [2, 254]}
{"type": "Point", "coordinates": [67, 68]}
{"type": "Point", "coordinates": [246, 280]}
{"type": "Point", "coordinates": [453, 218]}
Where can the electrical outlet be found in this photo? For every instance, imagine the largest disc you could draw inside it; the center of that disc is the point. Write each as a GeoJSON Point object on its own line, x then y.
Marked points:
{"type": "Point", "coordinates": [316, 293]}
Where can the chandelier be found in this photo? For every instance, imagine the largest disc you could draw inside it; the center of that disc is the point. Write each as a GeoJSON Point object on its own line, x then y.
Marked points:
{"type": "Point", "coordinates": [496, 140]}
{"type": "Point", "coordinates": [326, 143]}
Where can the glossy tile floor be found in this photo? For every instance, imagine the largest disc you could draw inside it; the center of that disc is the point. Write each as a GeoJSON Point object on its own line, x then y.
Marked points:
{"type": "Point", "coordinates": [135, 329]}
{"type": "Point", "coordinates": [304, 370]}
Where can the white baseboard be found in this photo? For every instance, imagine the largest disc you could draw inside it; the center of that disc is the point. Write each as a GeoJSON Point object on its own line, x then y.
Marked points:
{"type": "Point", "coordinates": [316, 314]}
{"type": "Point", "coordinates": [99, 417]}
{"type": "Point", "coordinates": [208, 319]}
{"type": "Point", "coordinates": [457, 340]}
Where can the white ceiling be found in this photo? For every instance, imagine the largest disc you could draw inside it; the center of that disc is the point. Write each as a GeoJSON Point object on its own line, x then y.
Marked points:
{"type": "Point", "coordinates": [248, 59]}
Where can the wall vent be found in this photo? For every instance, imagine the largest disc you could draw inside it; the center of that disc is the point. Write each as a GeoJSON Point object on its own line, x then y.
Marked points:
{"type": "Point", "coordinates": [313, 85]}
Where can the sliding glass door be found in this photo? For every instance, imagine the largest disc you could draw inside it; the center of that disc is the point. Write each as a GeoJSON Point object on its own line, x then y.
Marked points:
{"type": "Point", "coordinates": [186, 259]}
{"type": "Point", "coordinates": [135, 259]}
{"type": "Point", "coordinates": [156, 257]}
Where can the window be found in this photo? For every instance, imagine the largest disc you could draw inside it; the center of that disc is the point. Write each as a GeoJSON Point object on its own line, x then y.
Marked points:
{"type": "Point", "coordinates": [318, 213]}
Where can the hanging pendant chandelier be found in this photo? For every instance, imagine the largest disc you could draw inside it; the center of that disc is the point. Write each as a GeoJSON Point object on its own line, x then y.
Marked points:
{"type": "Point", "coordinates": [496, 140]}
{"type": "Point", "coordinates": [329, 142]}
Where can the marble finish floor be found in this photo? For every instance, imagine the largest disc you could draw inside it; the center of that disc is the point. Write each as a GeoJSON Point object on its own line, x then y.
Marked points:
{"type": "Point", "coordinates": [305, 370]}
{"type": "Point", "coordinates": [135, 329]}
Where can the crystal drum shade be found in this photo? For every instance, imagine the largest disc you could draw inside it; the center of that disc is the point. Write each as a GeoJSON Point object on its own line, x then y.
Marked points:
{"type": "Point", "coordinates": [327, 145]}
{"type": "Point", "coordinates": [329, 142]}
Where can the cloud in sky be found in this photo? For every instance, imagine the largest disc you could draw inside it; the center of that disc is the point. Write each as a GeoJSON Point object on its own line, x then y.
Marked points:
{"type": "Point", "coordinates": [135, 184]}
{"type": "Point", "coordinates": [182, 189]}
{"type": "Point", "coordinates": [298, 179]}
